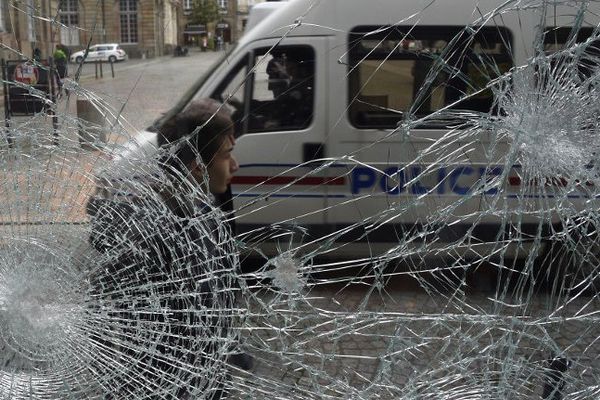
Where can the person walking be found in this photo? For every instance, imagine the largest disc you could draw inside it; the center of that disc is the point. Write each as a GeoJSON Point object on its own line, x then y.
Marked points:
{"type": "Point", "coordinates": [167, 251]}
{"type": "Point", "coordinates": [60, 61]}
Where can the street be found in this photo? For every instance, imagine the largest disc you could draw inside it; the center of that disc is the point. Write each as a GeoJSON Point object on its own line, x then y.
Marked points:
{"type": "Point", "coordinates": [144, 89]}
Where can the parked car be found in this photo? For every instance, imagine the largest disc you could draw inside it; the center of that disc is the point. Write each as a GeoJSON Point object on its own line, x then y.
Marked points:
{"type": "Point", "coordinates": [110, 52]}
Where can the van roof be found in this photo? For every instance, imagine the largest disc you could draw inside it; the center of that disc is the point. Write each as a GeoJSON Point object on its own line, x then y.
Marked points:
{"type": "Point", "coordinates": [338, 17]}
{"type": "Point", "coordinates": [329, 17]}
{"type": "Point", "coordinates": [260, 11]}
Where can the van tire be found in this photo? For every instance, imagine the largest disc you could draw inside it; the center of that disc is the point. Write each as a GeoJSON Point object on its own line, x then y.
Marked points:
{"type": "Point", "coordinates": [112, 59]}
{"type": "Point", "coordinates": [583, 267]}
{"type": "Point", "coordinates": [572, 264]}
{"type": "Point", "coordinates": [78, 60]}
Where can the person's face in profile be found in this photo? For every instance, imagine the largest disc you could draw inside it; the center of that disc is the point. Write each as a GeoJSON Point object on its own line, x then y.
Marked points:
{"type": "Point", "coordinates": [222, 167]}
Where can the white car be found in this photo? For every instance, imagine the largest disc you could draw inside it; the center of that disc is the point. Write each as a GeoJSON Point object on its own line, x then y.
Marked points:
{"type": "Point", "coordinates": [110, 52]}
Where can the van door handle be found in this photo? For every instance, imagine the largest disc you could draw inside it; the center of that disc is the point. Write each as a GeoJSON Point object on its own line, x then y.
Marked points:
{"type": "Point", "coordinates": [313, 151]}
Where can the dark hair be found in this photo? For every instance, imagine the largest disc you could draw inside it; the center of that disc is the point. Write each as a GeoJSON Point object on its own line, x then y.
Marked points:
{"type": "Point", "coordinates": [200, 128]}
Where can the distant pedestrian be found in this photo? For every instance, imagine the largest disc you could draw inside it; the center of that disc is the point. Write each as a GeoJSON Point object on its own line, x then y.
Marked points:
{"type": "Point", "coordinates": [65, 49]}
{"type": "Point", "coordinates": [60, 61]}
{"type": "Point", "coordinates": [37, 54]}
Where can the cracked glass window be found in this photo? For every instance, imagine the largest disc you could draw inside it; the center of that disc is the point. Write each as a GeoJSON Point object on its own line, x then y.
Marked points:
{"type": "Point", "coordinates": [354, 200]}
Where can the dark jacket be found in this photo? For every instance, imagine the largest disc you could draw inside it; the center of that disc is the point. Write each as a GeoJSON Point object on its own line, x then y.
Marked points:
{"type": "Point", "coordinates": [166, 284]}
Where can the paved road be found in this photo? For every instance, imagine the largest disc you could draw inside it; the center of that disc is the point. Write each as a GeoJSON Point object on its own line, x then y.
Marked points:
{"type": "Point", "coordinates": [140, 91]}
{"type": "Point", "coordinates": [144, 89]}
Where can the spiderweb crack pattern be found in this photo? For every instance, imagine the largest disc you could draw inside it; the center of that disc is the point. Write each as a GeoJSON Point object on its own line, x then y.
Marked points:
{"type": "Point", "coordinates": [120, 280]}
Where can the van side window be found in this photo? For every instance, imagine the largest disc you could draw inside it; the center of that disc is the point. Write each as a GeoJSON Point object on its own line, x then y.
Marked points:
{"type": "Point", "coordinates": [283, 84]}
{"type": "Point", "coordinates": [272, 90]}
{"type": "Point", "coordinates": [556, 38]}
{"type": "Point", "coordinates": [421, 69]}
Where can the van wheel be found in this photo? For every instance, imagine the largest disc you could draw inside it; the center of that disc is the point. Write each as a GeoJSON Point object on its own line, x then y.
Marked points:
{"type": "Point", "coordinates": [112, 59]}
{"type": "Point", "coordinates": [550, 269]}
{"type": "Point", "coordinates": [583, 264]}
{"type": "Point", "coordinates": [78, 60]}
{"type": "Point", "coordinates": [572, 264]}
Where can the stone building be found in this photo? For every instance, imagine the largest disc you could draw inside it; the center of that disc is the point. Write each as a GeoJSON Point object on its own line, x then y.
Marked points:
{"type": "Point", "coordinates": [25, 25]}
{"type": "Point", "coordinates": [244, 7]}
{"type": "Point", "coordinates": [226, 26]}
{"type": "Point", "coordinates": [143, 28]}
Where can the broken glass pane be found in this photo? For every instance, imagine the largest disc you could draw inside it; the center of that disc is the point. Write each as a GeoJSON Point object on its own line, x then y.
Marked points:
{"type": "Point", "coordinates": [414, 215]}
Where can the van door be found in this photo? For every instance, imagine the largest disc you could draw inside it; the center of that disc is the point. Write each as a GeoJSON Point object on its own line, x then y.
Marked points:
{"type": "Point", "coordinates": [280, 103]}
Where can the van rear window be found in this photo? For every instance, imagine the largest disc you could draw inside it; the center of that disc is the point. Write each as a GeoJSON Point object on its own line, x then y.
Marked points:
{"type": "Point", "coordinates": [419, 70]}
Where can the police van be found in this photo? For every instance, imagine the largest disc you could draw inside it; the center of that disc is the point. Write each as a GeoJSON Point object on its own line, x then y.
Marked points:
{"type": "Point", "coordinates": [371, 126]}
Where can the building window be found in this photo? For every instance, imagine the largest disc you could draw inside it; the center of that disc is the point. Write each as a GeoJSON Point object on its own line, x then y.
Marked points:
{"type": "Point", "coordinates": [222, 3]}
{"type": "Point", "coordinates": [128, 19]}
{"type": "Point", "coordinates": [69, 18]}
{"type": "Point", "coordinates": [69, 15]}
{"type": "Point", "coordinates": [187, 4]}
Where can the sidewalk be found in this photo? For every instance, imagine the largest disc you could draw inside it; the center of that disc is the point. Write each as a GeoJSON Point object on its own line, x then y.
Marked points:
{"type": "Point", "coordinates": [88, 71]}
{"type": "Point", "coordinates": [69, 167]}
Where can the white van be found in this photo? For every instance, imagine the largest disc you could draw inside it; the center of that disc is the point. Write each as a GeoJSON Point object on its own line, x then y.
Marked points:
{"type": "Point", "coordinates": [342, 137]}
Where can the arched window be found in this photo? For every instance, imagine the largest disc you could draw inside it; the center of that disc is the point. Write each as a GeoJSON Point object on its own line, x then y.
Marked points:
{"type": "Point", "coordinates": [128, 18]}
{"type": "Point", "coordinates": [69, 17]}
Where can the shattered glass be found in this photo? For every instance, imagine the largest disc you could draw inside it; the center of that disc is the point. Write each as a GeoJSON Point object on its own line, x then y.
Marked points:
{"type": "Point", "coordinates": [459, 261]}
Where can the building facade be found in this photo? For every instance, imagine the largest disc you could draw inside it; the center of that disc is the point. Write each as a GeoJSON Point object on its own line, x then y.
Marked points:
{"type": "Point", "coordinates": [225, 27]}
{"type": "Point", "coordinates": [26, 25]}
{"type": "Point", "coordinates": [244, 7]}
{"type": "Point", "coordinates": [143, 28]}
